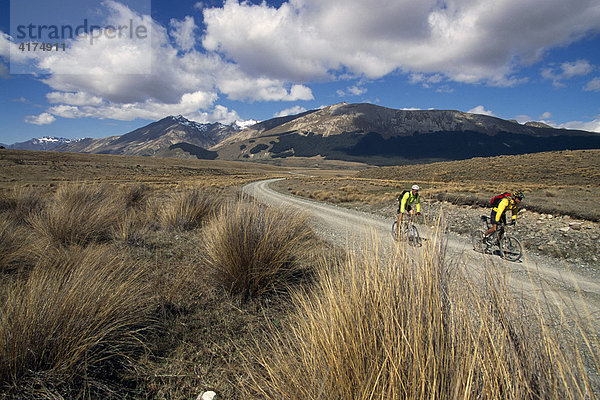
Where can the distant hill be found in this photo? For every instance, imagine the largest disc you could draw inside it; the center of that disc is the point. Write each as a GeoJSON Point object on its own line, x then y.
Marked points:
{"type": "Point", "coordinates": [157, 139]}
{"type": "Point", "coordinates": [45, 143]}
{"type": "Point", "coordinates": [383, 136]}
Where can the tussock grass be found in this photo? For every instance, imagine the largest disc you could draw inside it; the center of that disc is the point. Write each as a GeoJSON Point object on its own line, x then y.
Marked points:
{"type": "Point", "coordinates": [79, 214]}
{"type": "Point", "coordinates": [188, 209]}
{"type": "Point", "coordinates": [13, 249]}
{"type": "Point", "coordinates": [22, 201]}
{"type": "Point", "coordinates": [73, 323]}
{"type": "Point", "coordinates": [254, 250]}
{"type": "Point", "coordinates": [378, 328]}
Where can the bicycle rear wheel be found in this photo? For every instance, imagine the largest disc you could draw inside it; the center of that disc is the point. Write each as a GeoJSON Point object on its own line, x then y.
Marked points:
{"type": "Point", "coordinates": [511, 248]}
{"type": "Point", "coordinates": [477, 241]}
{"type": "Point", "coordinates": [414, 239]}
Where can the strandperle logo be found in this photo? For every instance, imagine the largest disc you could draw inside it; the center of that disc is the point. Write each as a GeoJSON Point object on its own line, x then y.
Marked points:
{"type": "Point", "coordinates": [80, 36]}
{"type": "Point", "coordinates": [33, 31]}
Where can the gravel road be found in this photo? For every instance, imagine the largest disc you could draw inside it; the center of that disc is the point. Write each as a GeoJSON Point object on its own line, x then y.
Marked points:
{"type": "Point", "coordinates": [355, 230]}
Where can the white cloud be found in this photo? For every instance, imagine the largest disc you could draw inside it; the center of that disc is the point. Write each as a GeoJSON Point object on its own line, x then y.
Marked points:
{"type": "Point", "coordinates": [199, 5]}
{"type": "Point", "coordinates": [522, 118]}
{"type": "Point", "coordinates": [119, 87]}
{"type": "Point", "coordinates": [481, 110]}
{"type": "Point", "coordinates": [184, 32]}
{"type": "Point", "coordinates": [4, 73]}
{"type": "Point", "coordinates": [566, 71]}
{"type": "Point", "coordinates": [593, 85]}
{"type": "Point", "coordinates": [42, 119]}
{"type": "Point", "coordinates": [354, 90]}
{"type": "Point", "coordinates": [77, 99]}
{"type": "Point", "coordinates": [592, 126]}
{"type": "Point", "coordinates": [546, 115]}
{"type": "Point", "coordinates": [290, 111]}
{"type": "Point", "coordinates": [462, 40]}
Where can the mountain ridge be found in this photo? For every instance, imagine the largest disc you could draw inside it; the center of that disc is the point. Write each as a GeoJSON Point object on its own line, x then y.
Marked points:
{"type": "Point", "coordinates": [359, 132]}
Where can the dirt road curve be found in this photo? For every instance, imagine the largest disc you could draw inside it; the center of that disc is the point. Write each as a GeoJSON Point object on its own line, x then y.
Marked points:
{"type": "Point", "coordinates": [353, 229]}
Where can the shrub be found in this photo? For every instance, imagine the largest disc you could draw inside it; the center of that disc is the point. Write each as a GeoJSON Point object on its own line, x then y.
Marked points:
{"type": "Point", "coordinates": [254, 250]}
{"type": "Point", "coordinates": [73, 323]}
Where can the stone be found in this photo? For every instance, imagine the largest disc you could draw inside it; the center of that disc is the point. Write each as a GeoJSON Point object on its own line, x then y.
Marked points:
{"type": "Point", "coordinates": [210, 395]}
{"type": "Point", "coordinates": [576, 225]}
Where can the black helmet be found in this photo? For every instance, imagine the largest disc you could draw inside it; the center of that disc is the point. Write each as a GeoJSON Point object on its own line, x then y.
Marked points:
{"type": "Point", "coordinates": [518, 195]}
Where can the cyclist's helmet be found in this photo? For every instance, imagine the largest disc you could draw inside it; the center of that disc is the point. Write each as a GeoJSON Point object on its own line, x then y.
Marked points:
{"type": "Point", "coordinates": [519, 195]}
{"type": "Point", "coordinates": [416, 187]}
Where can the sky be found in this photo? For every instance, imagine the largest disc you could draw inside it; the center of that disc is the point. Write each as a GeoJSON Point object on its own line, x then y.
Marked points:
{"type": "Point", "coordinates": [137, 61]}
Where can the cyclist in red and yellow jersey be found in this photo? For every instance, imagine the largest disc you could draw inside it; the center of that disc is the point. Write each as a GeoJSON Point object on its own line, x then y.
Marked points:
{"type": "Point", "coordinates": [498, 214]}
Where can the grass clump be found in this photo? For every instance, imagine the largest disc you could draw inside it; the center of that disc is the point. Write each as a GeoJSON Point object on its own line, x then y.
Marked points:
{"type": "Point", "coordinates": [73, 324]}
{"type": "Point", "coordinates": [398, 328]}
{"type": "Point", "coordinates": [254, 250]}
{"type": "Point", "coordinates": [187, 210]}
{"type": "Point", "coordinates": [79, 214]}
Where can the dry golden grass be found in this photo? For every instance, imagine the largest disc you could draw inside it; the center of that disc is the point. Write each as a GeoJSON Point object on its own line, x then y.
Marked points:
{"type": "Point", "coordinates": [76, 312]}
{"type": "Point", "coordinates": [254, 250]}
{"type": "Point", "coordinates": [72, 323]}
{"type": "Point", "coordinates": [375, 328]}
{"type": "Point", "coordinates": [188, 209]}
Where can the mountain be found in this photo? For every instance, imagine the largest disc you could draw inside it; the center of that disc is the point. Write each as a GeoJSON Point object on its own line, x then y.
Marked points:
{"type": "Point", "coordinates": [44, 143]}
{"type": "Point", "coordinates": [384, 136]}
{"type": "Point", "coordinates": [169, 137]}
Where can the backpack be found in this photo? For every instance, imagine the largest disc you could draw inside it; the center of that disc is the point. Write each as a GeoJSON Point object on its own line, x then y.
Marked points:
{"type": "Point", "coordinates": [402, 195]}
{"type": "Point", "coordinates": [497, 199]}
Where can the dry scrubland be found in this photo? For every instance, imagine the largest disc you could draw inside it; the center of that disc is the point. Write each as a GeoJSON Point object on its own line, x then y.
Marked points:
{"type": "Point", "coordinates": [559, 183]}
{"type": "Point", "coordinates": [118, 284]}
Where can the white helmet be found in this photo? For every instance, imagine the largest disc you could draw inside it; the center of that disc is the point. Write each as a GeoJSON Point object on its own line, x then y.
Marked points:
{"type": "Point", "coordinates": [416, 187]}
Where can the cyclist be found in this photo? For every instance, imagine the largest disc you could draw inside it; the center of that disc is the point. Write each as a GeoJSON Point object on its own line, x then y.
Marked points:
{"type": "Point", "coordinates": [406, 200]}
{"type": "Point", "coordinates": [498, 214]}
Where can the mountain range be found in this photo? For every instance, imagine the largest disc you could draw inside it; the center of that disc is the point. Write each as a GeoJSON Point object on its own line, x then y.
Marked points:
{"type": "Point", "coordinates": [353, 132]}
{"type": "Point", "coordinates": [44, 143]}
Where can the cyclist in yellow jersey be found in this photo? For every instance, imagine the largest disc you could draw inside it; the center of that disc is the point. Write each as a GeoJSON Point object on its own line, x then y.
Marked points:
{"type": "Point", "coordinates": [406, 200]}
{"type": "Point", "coordinates": [498, 214]}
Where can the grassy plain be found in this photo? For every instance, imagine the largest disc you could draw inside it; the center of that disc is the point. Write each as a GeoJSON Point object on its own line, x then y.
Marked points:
{"type": "Point", "coordinates": [125, 277]}
{"type": "Point", "coordinates": [559, 183]}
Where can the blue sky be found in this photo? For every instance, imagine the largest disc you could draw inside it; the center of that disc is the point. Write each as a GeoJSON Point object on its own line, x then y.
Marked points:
{"type": "Point", "coordinates": [217, 60]}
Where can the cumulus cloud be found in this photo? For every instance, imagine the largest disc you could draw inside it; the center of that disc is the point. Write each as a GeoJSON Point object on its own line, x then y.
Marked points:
{"type": "Point", "coordinates": [184, 32]}
{"type": "Point", "coordinates": [290, 111]}
{"type": "Point", "coordinates": [592, 126]}
{"type": "Point", "coordinates": [77, 99]}
{"type": "Point", "coordinates": [481, 110]}
{"type": "Point", "coordinates": [593, 85]}
{"type": "Point", "coordinates": [136, 80]}
{"type": "Point", "coordinates": [566, 71]}
{"type": "Point", "coordinates": [461, 39]}
{"type": "Point", "coordinates": [42, 119]}
{"type": "Point", "coordinates": [546, 115]}
{"type": "Point", "coordinates": [354, 90]}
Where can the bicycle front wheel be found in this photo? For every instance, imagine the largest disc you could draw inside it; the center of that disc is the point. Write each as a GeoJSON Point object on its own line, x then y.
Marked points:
{"type": "Point", "coordinates": [477, 241]}
{"type": "Point", "coordinates": [511, 248]}
{"type": "Point", "coordinates": [395, 231]}
{"type": "Point", "coordinates": [414, 239]}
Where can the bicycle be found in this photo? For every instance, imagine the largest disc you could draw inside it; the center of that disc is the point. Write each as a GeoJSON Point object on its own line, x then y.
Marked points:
{"type": "Point", "coordinates": [409, 230]}
{"type": "Point", "coordinates": [509, 247]}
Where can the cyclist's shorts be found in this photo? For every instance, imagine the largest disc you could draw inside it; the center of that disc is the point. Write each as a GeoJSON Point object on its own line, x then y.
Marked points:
{"type": "Point", "coordinates": [493, 217]}
{"type": "Point", "coordinates": [408, 208]}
